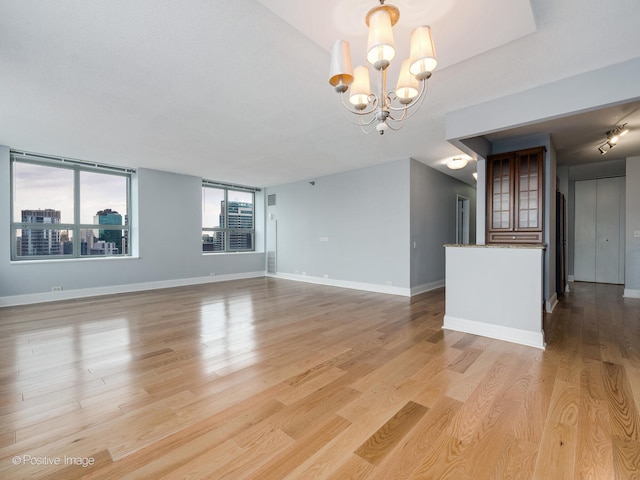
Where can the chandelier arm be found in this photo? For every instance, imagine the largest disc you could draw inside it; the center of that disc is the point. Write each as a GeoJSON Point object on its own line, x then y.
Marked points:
{"type": "Point", "coordinates": [415, 101]}
{"type": "Point", "coordinates": [361, 120]}
{"type": "Point", "coordinates": [362, 113]}
{"type": "Point", "coordinates": [364, 130]}
{"type": "Point", "coordinates": [390, 126]}
{"type": "Point", "coordinates": [410, 113]}
{"type": "Point", "coordinates": [402, 118]}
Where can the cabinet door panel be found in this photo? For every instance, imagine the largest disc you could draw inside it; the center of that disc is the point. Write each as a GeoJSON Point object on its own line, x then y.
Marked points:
{"type": "Point", "coordinates": [514, 196]}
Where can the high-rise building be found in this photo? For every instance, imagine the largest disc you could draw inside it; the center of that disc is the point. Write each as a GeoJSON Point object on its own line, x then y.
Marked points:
{"type": "Point", "coordinates": [110, 217]}
{"type": "Point", "coordinates": [240, 216]}
{"type": "Point", "coordinates": [40, 241]}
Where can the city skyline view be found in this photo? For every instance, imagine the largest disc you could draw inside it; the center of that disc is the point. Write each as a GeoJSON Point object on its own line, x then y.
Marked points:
{"type": "Point", "coordinates": [39, 187]}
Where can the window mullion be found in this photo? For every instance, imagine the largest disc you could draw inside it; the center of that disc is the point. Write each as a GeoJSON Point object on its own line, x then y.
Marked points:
{"type": "Point", "coordinates": [76, 213]}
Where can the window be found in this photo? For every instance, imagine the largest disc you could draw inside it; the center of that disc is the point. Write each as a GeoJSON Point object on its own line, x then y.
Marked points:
{"type": "Point", "coordinates": [228, 220]}
{"type": "Point", "coordinates": [65, 208]}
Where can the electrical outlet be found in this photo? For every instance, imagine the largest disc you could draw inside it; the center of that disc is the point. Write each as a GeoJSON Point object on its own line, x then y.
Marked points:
{"type": "Point", "coordinates": [636, 233]}
{"type": "Point", "coordinates": [212, 274]}
{"type": "Point", "coordinates": [389, 283]}
{"type": "Point", "coordinates": [56, 289]}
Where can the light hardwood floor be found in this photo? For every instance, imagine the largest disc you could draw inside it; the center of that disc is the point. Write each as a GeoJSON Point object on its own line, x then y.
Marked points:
{"type": "Point", "coordinates": [269, 379]}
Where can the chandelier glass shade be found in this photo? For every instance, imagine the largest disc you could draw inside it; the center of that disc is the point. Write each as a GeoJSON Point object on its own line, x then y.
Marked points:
{"type": "Point", "coordinates": [383, 109]}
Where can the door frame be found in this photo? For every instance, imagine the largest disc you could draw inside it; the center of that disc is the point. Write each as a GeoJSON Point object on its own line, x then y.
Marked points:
{"type": "Point", "coordinates": [462, 219]}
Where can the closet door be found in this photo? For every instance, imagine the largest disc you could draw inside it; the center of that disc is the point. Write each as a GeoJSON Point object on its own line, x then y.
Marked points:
{"type": "Point", "coordinates": [608, 230]}
{"type": "Point", "coordinates": [584, 265]}
{"type": "Point", "coordinates": [599, 230]}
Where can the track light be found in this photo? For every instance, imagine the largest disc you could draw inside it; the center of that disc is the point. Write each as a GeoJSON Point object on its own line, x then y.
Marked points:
{"type": "Point", "coordinates": [613, 136]}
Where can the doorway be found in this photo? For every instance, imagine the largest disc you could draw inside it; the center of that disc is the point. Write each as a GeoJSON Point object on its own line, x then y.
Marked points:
{"type": "Point", "coordinates": [600, 230]}
{"type": "Point", "coordinates": [462, 220]}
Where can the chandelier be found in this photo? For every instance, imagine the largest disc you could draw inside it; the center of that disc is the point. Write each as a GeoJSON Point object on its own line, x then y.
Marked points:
{"type": "Point", "coordinates": [382, 108]}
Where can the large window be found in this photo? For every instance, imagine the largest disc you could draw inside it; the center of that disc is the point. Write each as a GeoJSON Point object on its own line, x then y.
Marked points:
{"type": "Point", "coordinates": [227, 218]}
{"type": "Point", "coordinates": [68, 209]}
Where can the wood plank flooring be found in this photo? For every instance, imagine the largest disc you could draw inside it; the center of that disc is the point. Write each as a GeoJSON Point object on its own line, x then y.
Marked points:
{"type": "Point", "coordinates": [273, 379]}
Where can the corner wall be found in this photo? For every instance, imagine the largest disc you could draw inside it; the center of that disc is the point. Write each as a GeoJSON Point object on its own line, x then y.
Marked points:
{"type": "Point", "coordinates": [433, 223]}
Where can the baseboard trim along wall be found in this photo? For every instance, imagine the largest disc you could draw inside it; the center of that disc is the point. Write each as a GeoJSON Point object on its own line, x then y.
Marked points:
{"type": "Point", "coordinates": [332, 282]}
{"type": "Point", "coordinates": [15, 300]}
{"type": "Point", "coordinates": [499, 332]}
{"type": "Point", "coordinates": [630, 293]}
{"type": "Point", "coordinates": [427, 287]}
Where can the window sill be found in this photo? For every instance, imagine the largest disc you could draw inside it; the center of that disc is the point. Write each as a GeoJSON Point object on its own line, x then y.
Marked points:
{"type": "Point", "coordinates": [75, 259]}
{"type": "Point", "coordinates": [206, 254]}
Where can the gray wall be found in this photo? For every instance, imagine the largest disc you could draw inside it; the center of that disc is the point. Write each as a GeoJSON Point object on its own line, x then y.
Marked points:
{"type": "Point", "coordinates": [359, 226]}
{"type": "Point", "coordinates": [363, 214]}
{"type": "Point", "coordinates": [632, 253]}
{"type": "Point", "coordinates": [166, 233]}
{"type": "Point", "coordinates": [433, 220]}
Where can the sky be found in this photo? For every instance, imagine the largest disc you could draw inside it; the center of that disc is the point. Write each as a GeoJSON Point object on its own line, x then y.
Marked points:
{"type": "Point", "coordinates": [39, 187]}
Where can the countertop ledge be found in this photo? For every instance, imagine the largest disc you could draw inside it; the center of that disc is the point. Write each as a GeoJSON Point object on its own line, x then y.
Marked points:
{"type": "Point", "coordinates": [542, 246]}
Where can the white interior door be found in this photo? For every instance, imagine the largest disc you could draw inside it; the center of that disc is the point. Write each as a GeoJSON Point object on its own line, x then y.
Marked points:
{"type": "Point", "coordinates": [608, 230]}
{"type": "Point", "coordinates": [584, 265]}
{"type": "Point", "coordinates": [599, 230]}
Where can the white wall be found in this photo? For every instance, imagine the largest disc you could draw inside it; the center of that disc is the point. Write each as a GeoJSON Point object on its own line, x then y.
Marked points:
{"type": "Point", "coordinates": [166, 233]}
{"type": "Point", "coordinates": [632, 270]}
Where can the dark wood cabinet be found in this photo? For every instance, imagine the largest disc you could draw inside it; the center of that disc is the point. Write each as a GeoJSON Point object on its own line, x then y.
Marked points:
{"type": "Point", "coordinates": [515, 196]}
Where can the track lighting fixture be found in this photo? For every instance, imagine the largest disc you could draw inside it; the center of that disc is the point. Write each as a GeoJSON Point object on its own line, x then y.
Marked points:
{"type": "Point", "coordinates": [612, 138]}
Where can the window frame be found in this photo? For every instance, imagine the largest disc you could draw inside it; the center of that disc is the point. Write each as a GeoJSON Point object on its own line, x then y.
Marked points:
{"type": "Point", "coordinates": [225, 229]}
{"type": "Point", "coordinates": [77, 166]}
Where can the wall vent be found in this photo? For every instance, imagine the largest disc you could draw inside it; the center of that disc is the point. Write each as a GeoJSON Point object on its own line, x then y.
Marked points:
{"type": "Point", "coordinates": [271, 262]}
{"type": "Point", "coordinates": [271, 199]}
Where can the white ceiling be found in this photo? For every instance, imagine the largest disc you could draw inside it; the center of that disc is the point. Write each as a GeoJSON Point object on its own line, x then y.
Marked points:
{"type": "Point", "coordinates": [237, 91]}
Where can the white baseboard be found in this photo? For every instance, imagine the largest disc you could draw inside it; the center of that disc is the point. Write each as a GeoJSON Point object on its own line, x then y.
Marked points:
{"type": "Point", "coordinates": [499, 332]}
{"type": "Point", "coordinates": [14, 300]}
{"type": "Point", "coordinates": [368, 287]}
{"type": "Point", "coordinates": [427, 287]}
{"type": "Point", "coordinates": [550, 304]}
{"type": "Point", "coordinates": [630, 293]}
